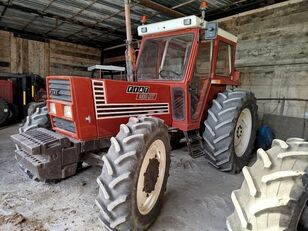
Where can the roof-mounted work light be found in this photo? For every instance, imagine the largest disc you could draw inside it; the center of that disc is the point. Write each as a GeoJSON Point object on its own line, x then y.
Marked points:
{"type": "Point", "coordinates": [203, 6]}
{"type": "Point", "coordinates": [143, 19]}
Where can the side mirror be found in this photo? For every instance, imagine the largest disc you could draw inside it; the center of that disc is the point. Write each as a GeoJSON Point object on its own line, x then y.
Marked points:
{"type": "Point", "coordinates": [211, 30]}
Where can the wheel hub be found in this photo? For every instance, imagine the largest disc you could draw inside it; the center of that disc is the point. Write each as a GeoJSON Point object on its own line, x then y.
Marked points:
{"type": "Point", "coordinates": [151, 175]}
{"type": "Point", "coordinates": [239, 131]}
{"type": "Point", "coordinates": [242, 132]}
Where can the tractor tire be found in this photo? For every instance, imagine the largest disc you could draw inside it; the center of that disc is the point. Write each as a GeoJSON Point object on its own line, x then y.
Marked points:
{"type": "Point", "coordinates": [274, 193]}
{"type": "Point", "coordinates": [134, 176]}
{"type": "Point", "coordinates": [31, 108]}
{"type": "Point", "coordinates": [39, 119]}
{"type": "Point", "coordinates": [4, 111]}
{"type": "Point", "coordinates": [230, 130]}
{"type": "Point", "coordinates": [14, 113]}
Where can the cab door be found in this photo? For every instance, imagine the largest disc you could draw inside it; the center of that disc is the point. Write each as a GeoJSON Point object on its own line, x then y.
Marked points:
{"type": "Point", "coordinates": [213, 71]}
{"type": "Point", "coordinates": [200, 80]}
{"type": "Point", "coordinates": [223, 62]}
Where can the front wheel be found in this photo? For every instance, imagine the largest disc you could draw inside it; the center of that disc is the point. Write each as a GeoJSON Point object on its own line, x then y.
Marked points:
{"type": "Point", "coordinates": [134, 175]}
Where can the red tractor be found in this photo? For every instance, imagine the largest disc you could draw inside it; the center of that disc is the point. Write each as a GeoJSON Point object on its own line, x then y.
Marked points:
{"type": "Point", "coordinates": [180, 87]}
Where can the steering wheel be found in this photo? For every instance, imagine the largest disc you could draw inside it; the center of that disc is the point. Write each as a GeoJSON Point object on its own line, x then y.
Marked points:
{"type": "Point", "coordinates": [168, 71]}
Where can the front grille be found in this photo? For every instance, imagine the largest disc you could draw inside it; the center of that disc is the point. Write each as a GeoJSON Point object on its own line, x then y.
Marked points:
{"type": "Point", "coordinates": [99, 92]}
{"type": "Point", "coordinates": [59, 89]}
{"type": "Point", "coordinates": [64, 124]}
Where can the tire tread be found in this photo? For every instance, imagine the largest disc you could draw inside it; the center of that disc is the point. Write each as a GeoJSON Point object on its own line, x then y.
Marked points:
{"type": "Point", "coordinates": [279, 186]}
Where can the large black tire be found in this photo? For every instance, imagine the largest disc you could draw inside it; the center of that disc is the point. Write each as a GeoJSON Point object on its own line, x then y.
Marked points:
{"type": "Point", "coordinates": [117, 199]}
{"type": "Point", "coordinates": [221, 127]}
{"type": "Point", "coordinates": [275, 190]}
{"type": "Point", "coordinates": [14, 113]}
{"type": "Point", "coordinates": [4, 111]}
{"type": "Point", "coordinates": [39, 119]}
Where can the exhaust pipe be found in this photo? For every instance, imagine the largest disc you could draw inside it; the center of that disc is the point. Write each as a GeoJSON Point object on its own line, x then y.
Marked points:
{"type": "Point", "coordinates": [130, 52]}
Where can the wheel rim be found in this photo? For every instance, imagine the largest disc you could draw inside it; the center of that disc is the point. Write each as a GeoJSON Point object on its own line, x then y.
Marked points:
{"type": "Point", "coordinates": [242, 132]}
{"type": "Point", "coordinates": [151, 177]}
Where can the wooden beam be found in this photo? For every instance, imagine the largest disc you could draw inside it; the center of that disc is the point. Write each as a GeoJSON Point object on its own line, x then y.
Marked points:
{"type": "Point", "coordinates": [115, 59]}
{"type": "Point", "coordinates": [160, 8]}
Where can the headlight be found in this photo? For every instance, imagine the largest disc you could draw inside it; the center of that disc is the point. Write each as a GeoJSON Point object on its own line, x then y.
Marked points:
{"type": "Point", "coordinates": [144, 30]}
{"type": "Point", "coordinates": [187, 21]}
{"type": "Point", "coordinates": [67, 111]}
{"type": "Point", "coordinates": [52, 108]}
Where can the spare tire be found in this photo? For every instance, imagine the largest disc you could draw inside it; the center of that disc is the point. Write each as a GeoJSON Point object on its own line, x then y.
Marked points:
{"type": "Point", "coordinates": [39, 119]}
{"type": "Point", "coordinates": [31, 108]}
{"type": "Point", "coordinates": [274, 193]}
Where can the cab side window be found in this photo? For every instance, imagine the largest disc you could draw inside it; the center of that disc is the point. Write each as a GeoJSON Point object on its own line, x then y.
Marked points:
{"type": "Point", "coordinates": [203, 61]}
{"type": "Point", "coordinates": [224, 58]}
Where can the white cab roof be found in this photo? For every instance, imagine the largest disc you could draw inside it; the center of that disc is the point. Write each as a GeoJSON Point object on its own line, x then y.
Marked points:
{"type": "Point", "coordinates": [180, 23]}
{"type": "Point", "coordinates": [169, 25]}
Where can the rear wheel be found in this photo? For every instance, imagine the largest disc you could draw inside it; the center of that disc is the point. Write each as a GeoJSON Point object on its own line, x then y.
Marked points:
{"type": "Point", "coordinates": [134, 175]}
{"type": "Point", "coordinates": [230, 130]}
{"type": "Point", "coordinates": [274, 193]}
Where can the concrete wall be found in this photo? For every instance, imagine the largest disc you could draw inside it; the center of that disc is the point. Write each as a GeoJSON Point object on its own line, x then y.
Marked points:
{"type": "Point", "coordinates": [18, 55]}
{"type": "Point", "coordinates": [272, 56]}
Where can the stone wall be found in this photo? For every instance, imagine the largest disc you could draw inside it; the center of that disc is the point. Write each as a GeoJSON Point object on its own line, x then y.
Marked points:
{"type": "Point", "coordinates": [272, 56]}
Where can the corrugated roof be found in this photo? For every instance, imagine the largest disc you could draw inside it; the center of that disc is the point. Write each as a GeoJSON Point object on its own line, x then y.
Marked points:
{"type": "Point", "coordinates": [101, 22]}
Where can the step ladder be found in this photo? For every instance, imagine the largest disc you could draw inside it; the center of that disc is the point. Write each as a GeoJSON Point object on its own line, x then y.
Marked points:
{"type": "Point", "coordinates": [194, 144]}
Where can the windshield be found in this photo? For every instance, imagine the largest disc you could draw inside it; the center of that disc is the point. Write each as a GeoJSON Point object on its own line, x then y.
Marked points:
{"type": "Point", "coordinates": [164, 58]}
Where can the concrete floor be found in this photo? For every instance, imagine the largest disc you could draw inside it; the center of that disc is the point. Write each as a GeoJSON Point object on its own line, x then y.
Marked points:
{"type": "Point", "coordinates": [197, 197]}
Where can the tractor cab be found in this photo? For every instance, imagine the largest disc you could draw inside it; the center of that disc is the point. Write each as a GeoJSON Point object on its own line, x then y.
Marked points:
{"type": "Point", "coordinates": [194, 57]}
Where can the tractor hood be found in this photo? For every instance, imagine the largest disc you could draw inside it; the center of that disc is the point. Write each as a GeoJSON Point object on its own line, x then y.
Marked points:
{"type": "Point", "coordinates": [88, 109]}
{"type": "Point", "coordinates": [115, 101]}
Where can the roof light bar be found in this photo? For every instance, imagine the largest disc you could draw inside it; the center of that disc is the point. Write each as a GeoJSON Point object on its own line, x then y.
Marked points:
{"type": "Point", "coordinates": [173, 24]}
{"type": "Point", "coordinates": [180, 23]}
